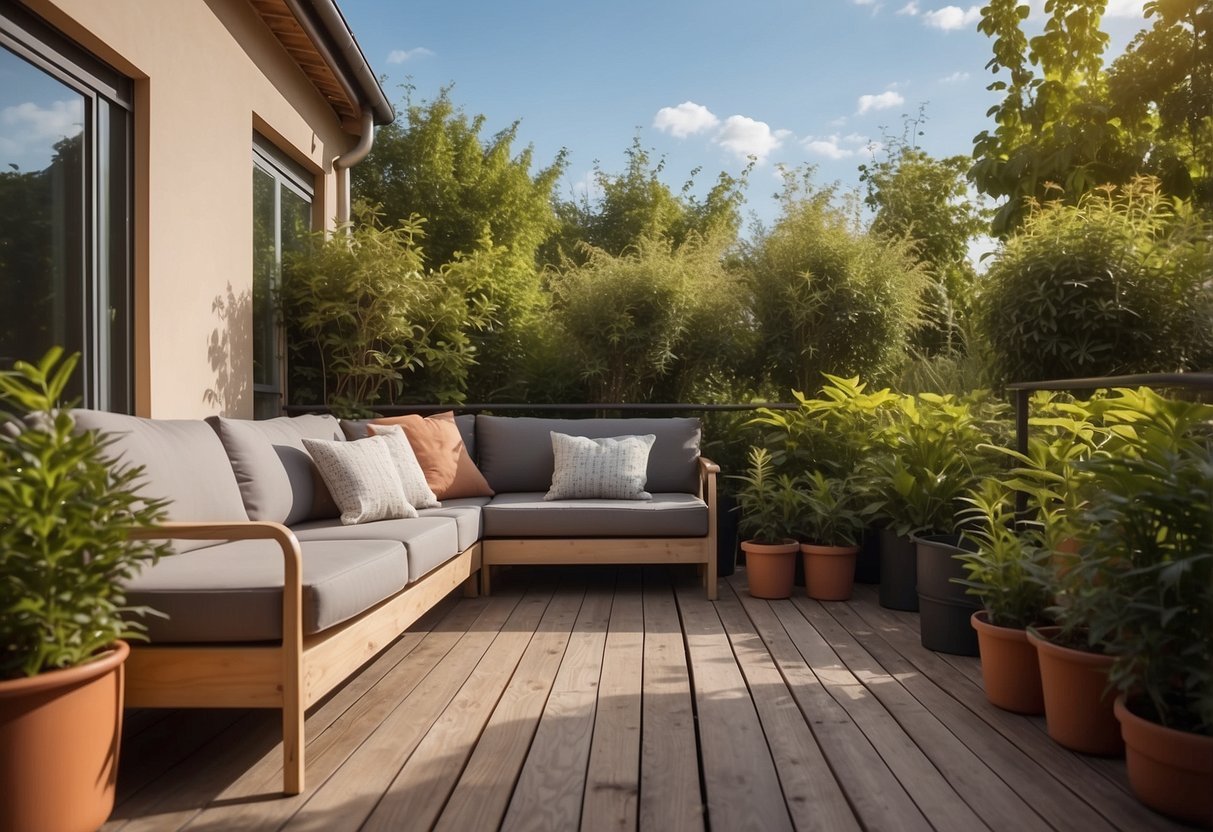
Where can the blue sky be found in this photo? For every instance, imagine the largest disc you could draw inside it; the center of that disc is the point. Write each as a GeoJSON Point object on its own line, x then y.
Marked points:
{"type": "Point", "coordinates": [705, 83]}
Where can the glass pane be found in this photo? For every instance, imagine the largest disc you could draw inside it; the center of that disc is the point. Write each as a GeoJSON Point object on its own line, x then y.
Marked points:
{"type": "Point", "coordinates": [296, 221]}
{"type": "Point", "coordinates": [265, 277]}
{"type": "Point", "coordinates": [42, 213]}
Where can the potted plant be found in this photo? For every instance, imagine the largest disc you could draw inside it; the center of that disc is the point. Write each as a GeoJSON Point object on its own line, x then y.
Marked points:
{"type": "Point", "coordinates": [1151, 519]}
{"type": "Point", "coordinates": [1008, 573]}
{"type": "Point", "coordinates": [66, 514]}
{"type": "Point", "coordinates": [833, 432]}
{"type": "Point", "coordinates": [928, 457]}
{"type": "Point", "coordinates": [769, 504]}
{"type": "Point", "coordinates": [831, 525]}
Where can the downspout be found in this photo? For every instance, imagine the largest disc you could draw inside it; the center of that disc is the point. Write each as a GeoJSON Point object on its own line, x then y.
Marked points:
{"type": "Point", "coordinates": [335, 25]}
{"type": "Point", "coordinates": [347, 160]}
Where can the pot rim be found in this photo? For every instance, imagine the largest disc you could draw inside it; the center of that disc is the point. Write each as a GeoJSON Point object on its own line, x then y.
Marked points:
{"type": "Point", "coordinates": [787, 547]}
{"type": "Point", "coordinates": [1043, 642]}
{"type": "Point", "coordinates": [1188, 747]}
{"type": "Point", "coordinates": [828, 551]}
{"type": "Point", "coordinates": [103, 663]}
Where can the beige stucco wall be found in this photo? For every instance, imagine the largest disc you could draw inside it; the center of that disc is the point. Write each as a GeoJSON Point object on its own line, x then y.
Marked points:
{"type": "Point", "coordinates": [207, 73]}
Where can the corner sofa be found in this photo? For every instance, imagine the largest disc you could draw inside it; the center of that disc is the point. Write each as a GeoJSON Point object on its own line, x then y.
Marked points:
{"type": "Point", "coordinates": [268, 601]}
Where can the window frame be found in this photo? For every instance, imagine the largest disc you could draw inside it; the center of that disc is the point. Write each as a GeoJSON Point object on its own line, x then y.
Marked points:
{"type": "Point", "coordinates": [288, 174]}
{"type": "Point", "coordinates": [107, 218]}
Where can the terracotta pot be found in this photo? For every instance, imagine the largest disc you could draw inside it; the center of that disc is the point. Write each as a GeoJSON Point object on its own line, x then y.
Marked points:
{"type": "Point", "coordinates": [1009, 667]}
{"type": "Point", "coordinates": [59, 738]}
{"type": "Point", "coordinates": [829, 571]}
{"type": "Point", "coordinates": [770, 568]}
{"type": "Point", "coordinates": [1078, 706]}
{"type": "Point", "coordinates": [1170, 771]}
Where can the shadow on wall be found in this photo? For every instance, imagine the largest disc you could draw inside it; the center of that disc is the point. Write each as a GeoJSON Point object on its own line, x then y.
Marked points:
{"type": "Point", "coordinates": [230, 352]}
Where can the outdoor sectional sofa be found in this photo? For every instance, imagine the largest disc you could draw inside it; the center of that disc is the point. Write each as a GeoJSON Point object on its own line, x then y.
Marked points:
{"type": "Point", "coordinates": [270, 602]}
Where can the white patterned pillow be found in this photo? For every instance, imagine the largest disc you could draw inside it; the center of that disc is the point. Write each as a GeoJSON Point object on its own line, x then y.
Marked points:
{"type": "Point", "coordinates": [362, 478]}
{"type": "Point", "coordinates": [416, 490]}
{"type": "Point", "coordinates": [613, 469]}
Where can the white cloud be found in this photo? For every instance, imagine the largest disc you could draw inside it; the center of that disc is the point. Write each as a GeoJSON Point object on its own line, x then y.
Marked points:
{"type": "Point", "coordinates": [685, 120]}
{"type": "Point", "coordinates": [955, 78]}
{"type": "Point", "coordinates": [586, 187]}
{"type": "Point", "coordinates": [838, 122]}
{"type": "Point", "coordinates": [35, 124]}
{"type": "Point", "coordinates": [747, 137]}
{"type": "Point", "coordinates": [909, 9]}
{"type": "Point", "coordinates": [1133, 9]}
{"type": "Point", "coordinates": [836, 147]}
{"type": "Point", "coordinates": [399, 56]}
{"type": "Point", "coordinates": [881, 101]}
{"type": "Point", "coordinates": [950, 18]}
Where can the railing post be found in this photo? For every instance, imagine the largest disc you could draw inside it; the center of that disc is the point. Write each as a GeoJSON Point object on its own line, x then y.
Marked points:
{"type": "Point", "coordinates": [1021, 444]}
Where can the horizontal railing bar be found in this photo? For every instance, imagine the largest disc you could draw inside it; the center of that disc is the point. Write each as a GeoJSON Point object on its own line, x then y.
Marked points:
{"type": "Point", "coordinates": [1196, 380]}
{"type": "Point", "coordinates": [663, 407]}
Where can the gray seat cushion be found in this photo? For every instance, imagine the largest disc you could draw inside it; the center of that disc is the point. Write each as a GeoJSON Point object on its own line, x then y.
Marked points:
{"type": "Point", "coordinates": [233, 591]}
{"type": "Point", "coordinates": [429, 541]}
{"type": "Point", "coordinates": [529, 515]}
{"type": "Point", "coordinates": [515, 453]}
{"type": "Point", "coordinates": [466, 512]}
{"type": "Point", "coordinates": [183, 461]}
{"type": "Point", "coordinates": [278, 479]}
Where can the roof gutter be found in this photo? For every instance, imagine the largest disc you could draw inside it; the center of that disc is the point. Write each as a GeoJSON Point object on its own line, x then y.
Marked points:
{"type": "Point", "coordinates": [327, 29]}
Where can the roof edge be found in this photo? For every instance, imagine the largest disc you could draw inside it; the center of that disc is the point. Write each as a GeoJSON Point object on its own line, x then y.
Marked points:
{"type": "Point", "coordinates": [356, 69]}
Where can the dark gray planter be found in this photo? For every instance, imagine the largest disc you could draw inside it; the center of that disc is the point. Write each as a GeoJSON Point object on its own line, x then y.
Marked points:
{"type": "Point", "coordinates": [867, 564]}
{"type": "Point", "coordinates": [898, 572]}
{"type": "Point", "coordinates": [727, 518]}
{"type": "Point", "coordinates": [945, 605]}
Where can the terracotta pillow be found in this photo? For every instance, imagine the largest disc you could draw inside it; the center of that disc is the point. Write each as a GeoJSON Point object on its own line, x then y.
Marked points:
{"type": "Point", "coordinates": [448, 468]}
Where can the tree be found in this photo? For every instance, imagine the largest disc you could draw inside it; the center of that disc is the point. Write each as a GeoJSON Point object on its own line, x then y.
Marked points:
{"type": "Point", "coordinates": [636, 205]}
{"type": "Point", "coordinates": [1055, 123]}
{"type": "Point", "coordinates": [927, 201]}
{"type": "Point", "coordinates": [827, 295]}
{"type": "Point", "coordinates": [475, 193]}
{"type": "Point", "coordinates": [1162, 87]}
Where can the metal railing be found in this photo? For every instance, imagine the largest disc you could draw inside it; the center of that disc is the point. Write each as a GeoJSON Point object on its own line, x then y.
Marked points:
{"type": "Point", "coordinates": [567, 407]}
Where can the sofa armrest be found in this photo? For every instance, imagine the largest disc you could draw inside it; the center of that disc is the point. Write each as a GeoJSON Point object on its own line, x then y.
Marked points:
{"type": "Point", "coordinates": [706, 466]}
{"type": "Point", "coordinates": [292, 561]}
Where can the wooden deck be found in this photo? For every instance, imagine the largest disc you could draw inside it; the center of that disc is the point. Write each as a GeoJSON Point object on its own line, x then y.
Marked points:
{"type": "Point", "coordinates": [621, 699]}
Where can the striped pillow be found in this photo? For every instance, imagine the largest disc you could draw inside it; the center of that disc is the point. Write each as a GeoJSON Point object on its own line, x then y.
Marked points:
{"type": "Point", "coordinates": [615, 468]}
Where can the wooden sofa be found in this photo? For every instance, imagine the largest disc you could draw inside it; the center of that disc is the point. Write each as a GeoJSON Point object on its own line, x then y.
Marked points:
{"type": "Point", "coordinates": [262, 609]}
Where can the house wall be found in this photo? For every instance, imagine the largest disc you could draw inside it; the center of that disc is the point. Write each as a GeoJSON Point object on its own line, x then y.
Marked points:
{"type": "Point", "coordinates": [207, 73]}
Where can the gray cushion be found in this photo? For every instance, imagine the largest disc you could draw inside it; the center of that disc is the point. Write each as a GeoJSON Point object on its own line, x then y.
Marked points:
{"type": "Point", "coordinates": [233, 591]}
{"type": "Point", "coordinates": [183, 461]}
{"type": "Point", "coordinates": [429, 541]}
{"type": "Point", "coordinates": [357, 429]}
{"type": "Point", "coordinates": [466, 512]}
{"type": "Point", "coordinates": [529, 515]}
{"type": "Point", "coordinates": [515, 453]}
{"type": "Point", "coordinates": [277, 477]}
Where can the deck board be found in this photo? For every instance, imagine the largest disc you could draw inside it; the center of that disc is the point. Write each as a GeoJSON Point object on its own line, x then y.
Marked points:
{"type": "Point", "coordinates": [620, 698]}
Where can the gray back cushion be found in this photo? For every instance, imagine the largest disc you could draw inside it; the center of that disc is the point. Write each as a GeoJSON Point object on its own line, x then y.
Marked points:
{"type": "Point", "coordinates": [515, 453]}
{"type": "Point", "coordinates": [183, 461]}
{"type": "Point", "coordinates": [357, 429]}
{"type": "Point", "coordinates": [278, 480]}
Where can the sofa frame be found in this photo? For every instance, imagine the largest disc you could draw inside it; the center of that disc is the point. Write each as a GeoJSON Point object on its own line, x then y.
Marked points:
{"type": "Point", "coordinates": [293, 675]}
{"type": "Point", "coordinates": [613, 550]}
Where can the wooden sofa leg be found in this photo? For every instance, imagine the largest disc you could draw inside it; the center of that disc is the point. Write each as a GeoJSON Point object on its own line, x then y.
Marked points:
{"type": "Point", "coordinates": [709, 580]}
{"type": "Point", "coordinates": [484, 579]}
{"type": "Point", "coordinates": [471, 587]}
{"type": "Point", "coordinates": [292, 746]}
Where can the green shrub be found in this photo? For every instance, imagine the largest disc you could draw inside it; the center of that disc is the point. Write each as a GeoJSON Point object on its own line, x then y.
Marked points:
{"type": "Point", "coordinates": [1119, 283]}
{"type": "Point", "coordinates": [829, 297]}
{"type": "Point", "coordinates": [367, 324]}
{"type": "Point", "coordinates": [655, 321]}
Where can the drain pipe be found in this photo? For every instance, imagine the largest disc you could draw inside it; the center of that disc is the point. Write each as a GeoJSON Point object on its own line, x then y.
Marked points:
{"type": "Point", "coordinates": [347, 160]}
